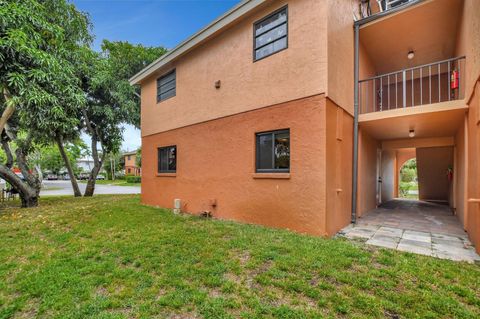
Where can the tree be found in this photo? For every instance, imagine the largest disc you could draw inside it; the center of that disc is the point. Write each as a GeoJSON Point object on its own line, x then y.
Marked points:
{"type": "Point", "coordinates": [113, 164]}
{"type": "Point", "coordinates": [112, 101]}
{"type": "Point", "coordinates": [138, 158]}
{"type": "Point", "coordinates": [51, 159]}
{"type": "Point", "coordinates": [39, 42]}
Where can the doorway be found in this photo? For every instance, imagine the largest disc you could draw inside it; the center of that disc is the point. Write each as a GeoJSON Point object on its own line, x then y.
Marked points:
{"type": "Point", "coordinates": [408, 180]}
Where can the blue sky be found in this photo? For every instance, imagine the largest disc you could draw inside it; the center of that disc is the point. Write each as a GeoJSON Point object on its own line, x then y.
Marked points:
{"type": "Point", "coordinates": [149, 22]}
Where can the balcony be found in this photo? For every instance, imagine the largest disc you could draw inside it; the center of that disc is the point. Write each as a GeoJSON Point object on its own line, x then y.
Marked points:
{"type": "Point", "coordinates": [431, 83]}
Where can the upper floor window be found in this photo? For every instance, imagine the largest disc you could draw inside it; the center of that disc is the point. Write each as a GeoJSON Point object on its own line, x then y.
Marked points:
{"type": "Point", "coordinates": [273, 152]}
{"type": "Point", "coordinates": [167, 86]}
{"type": "Point", "coordinates": [167, 159]}
{"type": "Point", "coordinates": [271, 34]}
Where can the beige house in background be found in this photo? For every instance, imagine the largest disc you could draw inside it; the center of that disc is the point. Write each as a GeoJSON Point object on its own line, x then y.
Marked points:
{"type": "Point", "coordinates": [299, 114]}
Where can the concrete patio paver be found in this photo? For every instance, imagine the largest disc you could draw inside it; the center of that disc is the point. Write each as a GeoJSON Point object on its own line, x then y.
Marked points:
{"type": "Point", "coordinates": [416, 227]}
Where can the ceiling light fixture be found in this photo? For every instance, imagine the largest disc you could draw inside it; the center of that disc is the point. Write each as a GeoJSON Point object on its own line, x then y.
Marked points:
{"type": "Point", "coordinates": [411, 133]}
{"type": "Point", "coordinates": [410, 54]}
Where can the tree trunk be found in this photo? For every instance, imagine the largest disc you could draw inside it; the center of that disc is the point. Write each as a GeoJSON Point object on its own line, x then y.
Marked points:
{"type": "Point", "coordinates": [28, 194]}
{"type": "Point", "coordinates": [30, 178]}
{"type": "Point", "coordinates": [97, 165]}
{"type": "Point", "coordinates": [68, 165]}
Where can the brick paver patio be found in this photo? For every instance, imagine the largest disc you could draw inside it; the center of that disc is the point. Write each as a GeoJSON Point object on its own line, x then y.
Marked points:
{"type": "Point", "coordinates": [415, 226]}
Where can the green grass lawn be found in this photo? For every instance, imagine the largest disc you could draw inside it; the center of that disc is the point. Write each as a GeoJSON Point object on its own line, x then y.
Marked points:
{"type": "Point", "coordinates": [117, 182]}
{"type": "Point", "coordinates": [111, 257]}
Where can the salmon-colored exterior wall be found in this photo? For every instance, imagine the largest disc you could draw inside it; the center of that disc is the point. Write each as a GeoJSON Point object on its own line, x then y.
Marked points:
{"type": "Point", "coordinates": [473, 168]}
{"type": "Point", "coordinates": [297, 72]}
{"type": "Point", "coordinates": [131, 167]}
{"type": "Point", "coordinates": [340, 48]}
{"type": "Point", "coordinates": [338, 169]}
{"type": "Point", "coordinates": [131, 160]}
{"type": "Point", "coordinates": [367, 173]}
{"type": "Point", "coordinates": [216, 163]}
{"type": "Point", "coordinates": [308, 88]}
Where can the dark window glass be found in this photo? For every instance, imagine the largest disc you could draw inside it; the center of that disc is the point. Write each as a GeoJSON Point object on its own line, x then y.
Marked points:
{"type": "Point", "coordinates": [271, 34]}
{"type": "Point", "coordinates": [167, 86]}
{"type": "Point", "coordinates": [167, 159]}
{"type": "Point", "coordinates": [273, 151]}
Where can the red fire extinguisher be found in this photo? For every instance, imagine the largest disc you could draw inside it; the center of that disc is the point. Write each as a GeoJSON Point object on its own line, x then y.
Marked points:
{"type": "Point", "coordinates": [454, 80]}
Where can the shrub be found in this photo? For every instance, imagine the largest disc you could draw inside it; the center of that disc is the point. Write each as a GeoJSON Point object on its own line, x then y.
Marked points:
{"type": "Point", "coordinates": [404, 188]}
{"type": "Point", "coordinates": [133, 179]}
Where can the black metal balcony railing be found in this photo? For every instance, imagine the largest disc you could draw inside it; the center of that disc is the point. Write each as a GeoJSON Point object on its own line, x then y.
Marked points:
{"type": "Point", "coordinates": [425, 84]}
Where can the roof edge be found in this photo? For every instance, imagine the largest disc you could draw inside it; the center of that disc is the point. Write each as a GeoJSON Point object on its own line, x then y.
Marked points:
{"type": "Point", "coordinates": [228, 17]}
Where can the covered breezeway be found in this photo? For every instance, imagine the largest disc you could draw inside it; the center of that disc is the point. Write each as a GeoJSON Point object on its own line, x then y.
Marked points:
{"type": "Point", "coordinates": [433, 225]}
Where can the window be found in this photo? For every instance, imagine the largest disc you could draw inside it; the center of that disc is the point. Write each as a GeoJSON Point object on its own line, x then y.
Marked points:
{"type": "Point", "coordinates": [167, 159]}
{"type": "Point", "coordinates": [129, 170]}
{"type": "Point", "coordinates": [273, 152]}
{"type": "Point", "coordinates": [167, 86]}
{"type": "Point", "coordinates": [270, 34]}
{"type": "Point", "coordinates": [128, 157]}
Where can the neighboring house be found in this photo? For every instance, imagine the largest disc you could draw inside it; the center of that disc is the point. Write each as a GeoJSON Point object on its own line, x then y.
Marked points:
{"type": "Point", "coordinates": [85, 164]}
{"type": "Point", "coordinates": [257, 117]}
{"type": "Point", "coordinates": [131, 167]}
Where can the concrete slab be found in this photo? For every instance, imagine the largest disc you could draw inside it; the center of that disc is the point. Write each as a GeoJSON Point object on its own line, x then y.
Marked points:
{"type": "Point", "coordinates": [417, 227]}
{"type": "Point", "coordinates": [390, 231]}
{"type": "Point", "coordinates": [417, 236]}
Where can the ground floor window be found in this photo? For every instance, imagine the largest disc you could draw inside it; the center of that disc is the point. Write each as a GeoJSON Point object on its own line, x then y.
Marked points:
{"type": "Point", "coordinates": [167, 159]}
{"type": "Point", "coordinates": [273, 152]}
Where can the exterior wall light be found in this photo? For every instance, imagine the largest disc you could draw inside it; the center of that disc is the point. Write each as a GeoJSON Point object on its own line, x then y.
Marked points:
{"type": "Point", "coordinates": [411, 133]}
{"type": "Point", "coordinates": [410, 54]}
{"type": "Point", "coordinates": [218, 84]}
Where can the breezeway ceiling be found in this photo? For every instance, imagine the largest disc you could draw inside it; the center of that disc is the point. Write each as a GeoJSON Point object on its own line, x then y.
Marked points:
{"type": "Point", "coordinates": [429, 29]}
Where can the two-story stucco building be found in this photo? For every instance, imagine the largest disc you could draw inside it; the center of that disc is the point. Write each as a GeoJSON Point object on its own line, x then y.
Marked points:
{"type": "Point", "coordinates": [288, 113]}
{"type": "Point", "coordinates": [131, 166]}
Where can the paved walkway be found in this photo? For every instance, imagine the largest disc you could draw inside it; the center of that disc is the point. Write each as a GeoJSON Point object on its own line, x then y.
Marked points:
{"type": "Point", "coordinates": [415, 226]}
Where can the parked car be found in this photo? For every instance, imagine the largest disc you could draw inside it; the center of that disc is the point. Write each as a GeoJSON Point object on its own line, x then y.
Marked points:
{"type": "Point", "coordinates": [83, 176]}
{"type": "Point", "coordinates": [52, 177]}
{"type": "Point", "coordinates": [100, 177]}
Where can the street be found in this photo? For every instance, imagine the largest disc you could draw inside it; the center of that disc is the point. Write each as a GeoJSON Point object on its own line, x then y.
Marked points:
{"type": "Point", "coordinates": [65, 188]}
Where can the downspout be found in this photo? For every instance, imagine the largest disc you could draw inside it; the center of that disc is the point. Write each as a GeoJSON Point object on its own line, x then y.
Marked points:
{"type": "Point", "coordinates": [355, 125]}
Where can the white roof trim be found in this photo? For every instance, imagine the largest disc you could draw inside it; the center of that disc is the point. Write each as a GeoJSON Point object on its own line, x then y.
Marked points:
{"type": "Point", "coordinates": [230, 16]}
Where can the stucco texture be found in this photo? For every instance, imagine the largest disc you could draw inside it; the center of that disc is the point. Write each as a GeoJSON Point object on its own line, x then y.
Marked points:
{"type": "Point", "coordinates": [216, 164]}
{"type": "Point", "coordinates": [473, 183]}
{"type": "Point", "coordinates": [297, 72]}
{"type": "Point", "coordinates": [367, 173]}
{"type": "Point", "coordinates": [339, 152]}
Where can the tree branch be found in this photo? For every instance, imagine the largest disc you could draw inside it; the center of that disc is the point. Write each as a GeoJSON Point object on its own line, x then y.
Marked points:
{"type": "Point", "coordinates": [9, 109]}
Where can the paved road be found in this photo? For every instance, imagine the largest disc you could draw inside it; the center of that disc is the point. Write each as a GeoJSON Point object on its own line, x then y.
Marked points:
{"type": "Point", "coordinates": [65, 188]}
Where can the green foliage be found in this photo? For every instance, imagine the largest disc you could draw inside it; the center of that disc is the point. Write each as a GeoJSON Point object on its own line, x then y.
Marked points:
{"type": "Point", "coordinates": [138, 158]}
{"type": "Point", "coordinates": [133, 179]}
{"type": "Point", "coordinates": [39, 42]}
{"type": "Point", "coordinates": [112, 257]}
{"type": "Point", "coordinates": [122, 60]}
{"type": "Point", "coordinates": [50, 160]}
{"type": "Point", "coordinates": [408, 172]}
{"type": "Point", "coordinates": [408, 178]}
{"type": "Point", "coordinates": [404, 188]}
{"type": "Point", "coordinates": [113, 162]}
